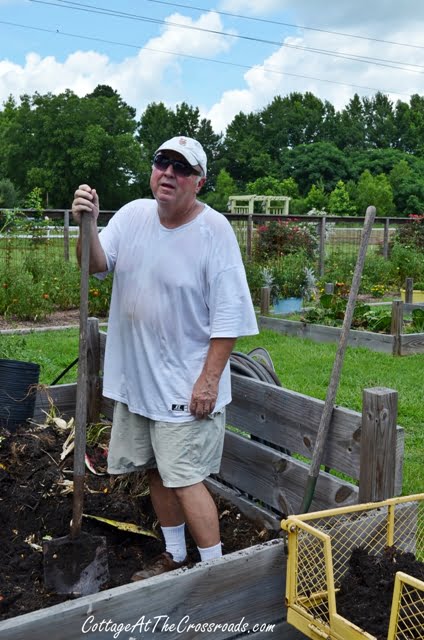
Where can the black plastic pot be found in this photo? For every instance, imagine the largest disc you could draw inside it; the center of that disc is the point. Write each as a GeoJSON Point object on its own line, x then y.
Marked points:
{"type": "Point", "coordinates": [18, 381]}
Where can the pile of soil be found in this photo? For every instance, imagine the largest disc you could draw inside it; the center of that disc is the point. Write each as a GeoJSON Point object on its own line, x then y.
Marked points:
{"type": "Point", "coordinates": [35, 501]}
{"type": "Point", "coordinates": [365, 596]}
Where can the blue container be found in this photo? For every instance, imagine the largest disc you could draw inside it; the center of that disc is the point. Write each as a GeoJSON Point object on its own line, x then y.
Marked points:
{"type": "Point", "coordinates": [287, 305]}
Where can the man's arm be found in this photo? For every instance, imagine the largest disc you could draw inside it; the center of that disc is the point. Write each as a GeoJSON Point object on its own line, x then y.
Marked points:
{"type": "Point", "coordinates": [86, 202]}
{"type": "Point", "coordinates": [205, 390]}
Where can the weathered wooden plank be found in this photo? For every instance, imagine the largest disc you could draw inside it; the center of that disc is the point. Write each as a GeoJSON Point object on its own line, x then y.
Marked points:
{"type": "Point", "coordinates": [62, 396]}
{"type": "Point", "coordinates": [251, 510]}
{"type": "Point", "coordinates": [106, 407]}
{"type": "Point", "coordinates": [411, 343]}
{"type": "Point", "coordinates": [319, 333]}
{"type": "Point", "coordinates": [277, 479]}
{"type": "Point", "coordinates": [378, 445]}
{"type": "Point", "coordinates": [289, 419]}
{"type": "Point", "coordinates": [102, 339]}
{"type": "Point", "coordinates": [408, 307]}
{"type": "Point", "coordinates": [245, 587]}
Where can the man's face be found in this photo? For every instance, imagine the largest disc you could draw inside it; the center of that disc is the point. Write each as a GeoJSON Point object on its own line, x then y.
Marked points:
{"type": "Point", "coordinates": [170, 187]}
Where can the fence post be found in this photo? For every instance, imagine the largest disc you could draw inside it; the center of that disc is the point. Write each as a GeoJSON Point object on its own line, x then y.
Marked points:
{"type": "Point", "coordinates": [329, 287]}
{"type": "Point", "coordinates": [93, 371]}
{"type": "Point", "coordinates": [397, 324]}
{"type": "Point", "coordinates": [409, 287]}
{"type": "Point", "coordinates": [386, 239]}
{"type": "Point", "coordinates": [377, 471]}
{"type": "Point", "coordinates": [249, 237]}
{"type": "Point", "coordinates": [265, 300]}
{"type": "Point", "coordinates": [66, 235]}
{"type": "Point", "coordinates": [322, 245]}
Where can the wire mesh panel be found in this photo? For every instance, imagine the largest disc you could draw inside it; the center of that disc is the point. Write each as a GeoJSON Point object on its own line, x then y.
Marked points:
{"type": "Point", "coordinates": [321, 546]}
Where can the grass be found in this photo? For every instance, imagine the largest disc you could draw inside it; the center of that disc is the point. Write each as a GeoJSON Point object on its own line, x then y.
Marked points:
{"type": "Point", "coordinates": [302, 365]}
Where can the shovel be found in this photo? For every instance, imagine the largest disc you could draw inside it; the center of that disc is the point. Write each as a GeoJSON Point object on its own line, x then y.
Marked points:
{"type": "Point", "coordinates": [77, 563]}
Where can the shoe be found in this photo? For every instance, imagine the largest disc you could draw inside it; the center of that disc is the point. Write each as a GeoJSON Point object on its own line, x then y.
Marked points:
{"type": "Point", "coordinates": [161, 564]}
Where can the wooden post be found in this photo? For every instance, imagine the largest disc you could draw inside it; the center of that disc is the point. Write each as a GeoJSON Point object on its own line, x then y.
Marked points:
{"type": "Point", "coordinates": [329, 287]}
{"type": "Point", "coordinates": [265, 300]}
{"type": "Point", "coordinates": [386, 239]}
{"type": "Point", "coordinates": [378, 445]}
{"type": "Point", "coordinates": [66, 235]}
{"type": "Point", "coordinates": [397, 324]}
{"type": "Point", "coordinates": [322, 245]}
{"type": "Point", "coordinates": [249, 237]}
{"type": "Point", "coordinates": [409, 287]}
{"type": "Point", "coordinates": [93, 371]}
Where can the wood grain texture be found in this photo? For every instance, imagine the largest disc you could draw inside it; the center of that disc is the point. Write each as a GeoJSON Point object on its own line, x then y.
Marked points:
{"type": "Point", "coordinates": [247, 585]}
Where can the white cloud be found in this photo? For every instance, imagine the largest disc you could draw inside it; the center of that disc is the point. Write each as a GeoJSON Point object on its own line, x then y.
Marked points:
{"type": "Point", "coordinates": [139, 79]}
{"type": "Point", "coordinates": [261, 85]}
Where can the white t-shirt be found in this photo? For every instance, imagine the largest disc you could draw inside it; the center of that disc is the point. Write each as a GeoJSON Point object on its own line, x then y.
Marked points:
{"type": "Point", "coordinates": [173, 290]}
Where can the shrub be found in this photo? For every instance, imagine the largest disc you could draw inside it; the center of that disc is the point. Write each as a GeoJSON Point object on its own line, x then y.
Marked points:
{"type": "Point", "coordinates": [408, 263]}
{"type": "Point", "coordinates": [412, 234]}
{"type": "Point", "coordinates": [281, 237]}
{"type": "Point", "coordinates": [22, 297]}
{"type": "Point", "coordinates": [290, 275]}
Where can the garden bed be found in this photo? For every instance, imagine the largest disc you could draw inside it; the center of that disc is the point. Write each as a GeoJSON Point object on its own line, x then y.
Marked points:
{"type": "Point", "coordinates": [36, 501]}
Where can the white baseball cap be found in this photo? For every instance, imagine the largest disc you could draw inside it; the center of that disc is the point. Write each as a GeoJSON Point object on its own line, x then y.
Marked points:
{"type": "Point", "coordinates": [189, 148]}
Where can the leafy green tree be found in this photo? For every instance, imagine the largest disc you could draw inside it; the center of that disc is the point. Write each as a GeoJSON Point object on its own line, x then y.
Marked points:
{"type": "Point", "coordinates": [224, 188]}
{"type": "Point", "coordinates": [311, 163]}
{"type": "Point", "coordinates": [316, 198]}
{"type": "Point", "coordinates": [350, 130]}
{"type": "Point", "coordinates": [379, 121]}
{"type": "Point", "coordinates": [339, 203]}
{"type": "Point", "coordinates": [64, 140]}
{"type": "Point", "coordinates": [244, 156]}
{"type": "Point", "coordinates": [8, 194]}
{"type": "Point", "coordinates": [269, 186]}
{"type": "Point", "coordinates": [376, 191]}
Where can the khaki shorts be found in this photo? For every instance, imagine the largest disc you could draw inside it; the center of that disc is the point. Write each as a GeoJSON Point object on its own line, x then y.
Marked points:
{"type": "Point", "coordinates": [184, 453]}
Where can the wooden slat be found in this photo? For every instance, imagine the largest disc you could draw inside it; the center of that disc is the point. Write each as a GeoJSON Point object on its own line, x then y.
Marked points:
{"type": "Point", "coordinates": [291, 420]}
{"type": "Point", "coordinates": [277, 479]}
{"type": "Point", "coordinates": [62, 396]}
{"type": "Point", "coordinates": [411, 343]}
{"type": "Point", "coordinates": [251, 510]}
{"type": "Point", "coordinates": [378, 445]}
{"type": "Point", "coordinates": [319, 333]}
{"type": "Point", "coordinates": [102, 336]}
{"type": "Point", "coordinates": [247, 585]}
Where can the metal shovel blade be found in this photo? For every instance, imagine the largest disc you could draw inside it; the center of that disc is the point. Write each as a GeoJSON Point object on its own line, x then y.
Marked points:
{"type": "Point", "coordinates": [76, 566]}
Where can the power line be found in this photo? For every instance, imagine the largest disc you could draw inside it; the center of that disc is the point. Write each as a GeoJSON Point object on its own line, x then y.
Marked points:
{"type": "Point", "coordinates": [67, 4]}
{"type": "Point", "coordinates": [274, 70]}
{"type": "Point", "coordinates": [288, 24]}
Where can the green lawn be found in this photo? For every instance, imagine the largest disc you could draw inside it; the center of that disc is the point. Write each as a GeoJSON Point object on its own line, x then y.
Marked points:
{"type": "Point", "coordinates": [302, 365]}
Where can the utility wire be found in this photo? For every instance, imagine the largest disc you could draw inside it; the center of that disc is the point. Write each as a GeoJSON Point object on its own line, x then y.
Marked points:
{"type": "Point", "coordinates": [274, 70]}
{"type": "Point", "coordinates": [286, 24]}
{"type": "Point", "coordinates": [66, 4]}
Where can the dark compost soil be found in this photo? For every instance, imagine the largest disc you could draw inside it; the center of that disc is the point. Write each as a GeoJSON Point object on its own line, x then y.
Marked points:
{"type": "Point", "coordinates": [365, 596]}
{"type": "Point", "coordinates": [35, 502]}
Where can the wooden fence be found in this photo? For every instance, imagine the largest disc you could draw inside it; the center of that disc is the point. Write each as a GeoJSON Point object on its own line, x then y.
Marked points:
{"type": "Point", "coordinates": [245, 228]}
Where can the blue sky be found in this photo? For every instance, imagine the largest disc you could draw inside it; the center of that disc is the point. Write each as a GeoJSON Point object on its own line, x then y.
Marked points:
{"type": "Point", "coordinates": [56, 45]}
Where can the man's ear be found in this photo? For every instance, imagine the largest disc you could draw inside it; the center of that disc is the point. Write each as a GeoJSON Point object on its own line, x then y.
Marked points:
{"type": "Point", "coordinates": [200, 182]}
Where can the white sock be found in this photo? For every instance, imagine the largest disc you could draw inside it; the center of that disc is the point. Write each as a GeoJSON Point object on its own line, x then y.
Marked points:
{"type": "Point", "coordinates": [175, 542]}
{"type": "Point", "coordinates": [209, 553]}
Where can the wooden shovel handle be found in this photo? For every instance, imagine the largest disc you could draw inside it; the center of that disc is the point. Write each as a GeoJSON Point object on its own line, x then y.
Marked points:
{"type": "Point", "coordinates": [81, 401]}
{"type": "Point", "coordinates": [337, 366]}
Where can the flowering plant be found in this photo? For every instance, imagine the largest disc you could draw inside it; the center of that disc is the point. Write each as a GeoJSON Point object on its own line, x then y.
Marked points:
{"type": "Point", "coordinates": [281, 237]}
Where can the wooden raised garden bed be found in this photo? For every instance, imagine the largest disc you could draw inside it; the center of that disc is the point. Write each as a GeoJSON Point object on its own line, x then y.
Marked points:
{"type": "Point", "coordinates": [266, 484]}
{"type": "Point", "coordinates": [396, 343]}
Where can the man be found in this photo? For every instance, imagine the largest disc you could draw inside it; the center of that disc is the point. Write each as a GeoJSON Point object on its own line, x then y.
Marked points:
{"type": "Point", "coordinates": [179, 301]}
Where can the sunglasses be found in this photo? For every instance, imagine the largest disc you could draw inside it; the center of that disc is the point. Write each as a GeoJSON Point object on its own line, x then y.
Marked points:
{"type": "Point", "coordinates": [162, 162]}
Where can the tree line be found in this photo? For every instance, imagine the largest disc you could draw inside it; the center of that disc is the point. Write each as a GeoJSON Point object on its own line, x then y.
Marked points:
{"type": "Point", "coordinates": [371, 151]}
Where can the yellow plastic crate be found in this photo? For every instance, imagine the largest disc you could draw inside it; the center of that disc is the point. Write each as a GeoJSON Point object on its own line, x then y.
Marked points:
{"type": "Point", "coordinates": [320, 545]}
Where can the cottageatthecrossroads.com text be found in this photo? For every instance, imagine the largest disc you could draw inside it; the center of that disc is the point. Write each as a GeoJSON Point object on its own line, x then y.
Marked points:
{"type": "Point", "coordinates": [163, 624]}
